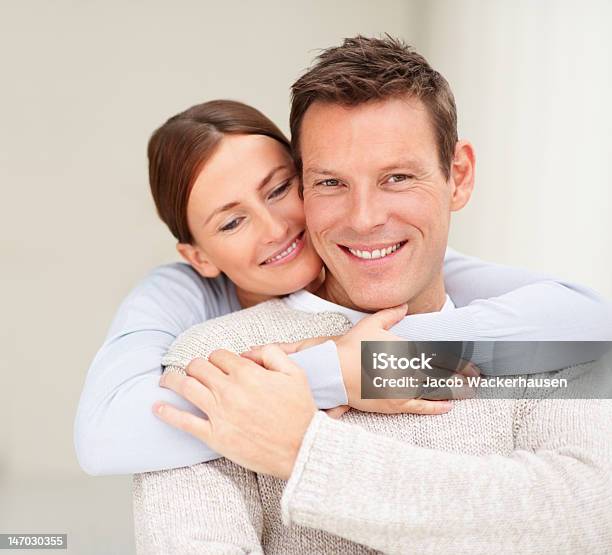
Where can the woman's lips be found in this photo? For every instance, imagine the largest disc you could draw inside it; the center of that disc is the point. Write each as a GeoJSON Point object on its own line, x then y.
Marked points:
{"type": "Point", "coordinates": [287, 253]}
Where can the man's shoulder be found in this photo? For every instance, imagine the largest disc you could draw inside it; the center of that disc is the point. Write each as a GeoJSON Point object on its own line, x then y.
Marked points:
{"type": "Point", "coordinates": [268, 322]}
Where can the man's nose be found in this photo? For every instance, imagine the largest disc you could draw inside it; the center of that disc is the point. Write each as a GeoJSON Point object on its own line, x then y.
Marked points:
{"type": "Point", "coordinates": [366, 212]}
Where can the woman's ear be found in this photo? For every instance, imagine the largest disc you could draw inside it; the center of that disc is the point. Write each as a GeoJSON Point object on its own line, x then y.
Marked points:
{"type": "Point", "coordinates": [462, 174]}
{"type": "Point", "coordinates": [195, 256]}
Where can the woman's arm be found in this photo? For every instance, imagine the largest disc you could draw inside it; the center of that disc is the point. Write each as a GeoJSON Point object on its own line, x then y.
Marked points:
{"type": "Point", "coordinates": [115, 432]}
{"type": "Point", "coordinates": [496, 303]}
{"type": "Point", "coordinates": [523, 306]}
{"type": "Point", "coordinates": [503, 303]}
{"type": "Point", "coordinates": [210, 508]}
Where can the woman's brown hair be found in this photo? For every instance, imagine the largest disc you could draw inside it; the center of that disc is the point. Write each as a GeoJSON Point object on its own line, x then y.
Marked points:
{"type": "Point", "coordinates": [178, 150]}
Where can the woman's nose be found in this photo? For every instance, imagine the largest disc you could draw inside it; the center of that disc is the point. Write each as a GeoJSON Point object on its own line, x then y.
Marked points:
{"type": "Point", "coordinates": [274, 228]}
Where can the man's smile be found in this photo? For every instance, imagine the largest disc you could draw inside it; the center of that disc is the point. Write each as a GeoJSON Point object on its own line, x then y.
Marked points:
{"type": "Point", "coordinates": [372, 253]}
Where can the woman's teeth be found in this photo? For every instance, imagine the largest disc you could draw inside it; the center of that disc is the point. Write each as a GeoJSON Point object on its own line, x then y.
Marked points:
{"type": "Point", "coordinates": [376, 253]}
{"type": "Point", "coordinates": [289, 249]}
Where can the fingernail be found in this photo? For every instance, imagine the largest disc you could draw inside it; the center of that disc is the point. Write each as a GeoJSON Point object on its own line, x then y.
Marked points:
{"type": "Point", "coordinates": [158, 408]}
{"type": "Point", "coordinates": [471, 370]}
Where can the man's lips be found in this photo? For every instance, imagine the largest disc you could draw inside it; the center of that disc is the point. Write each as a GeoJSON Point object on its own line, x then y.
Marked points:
{"type": "Point", "coordinates": [286, 253]}
{"type": "Point", "coordinates": [373, 253]}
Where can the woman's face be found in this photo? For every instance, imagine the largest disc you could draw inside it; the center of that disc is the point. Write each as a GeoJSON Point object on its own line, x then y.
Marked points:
{"type": "Point", "coordinates": [247, 220]}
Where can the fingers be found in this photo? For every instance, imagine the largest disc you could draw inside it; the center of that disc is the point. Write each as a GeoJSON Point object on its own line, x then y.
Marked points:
{"type": "Point", "coordinates": [191, 389]}
{"type": "Point", "coordinates": [451, 385]}
{"type": "Point", "coordinates": [194, 425]}
{"type": "Point", "coordinates": [386, 318]}
{"type": "Point", "coordinates": [467, 368]}
{"type": "Point", "coordinates": [289, 348]}
{"type": "Point", "coordinates": [274, 358]}
{"type": "Point", "coordinates": [229, 362]}
{"type": "Point", "coordinates": [337, 412]}
{"type": "Point", "coordinates": [425, 406]}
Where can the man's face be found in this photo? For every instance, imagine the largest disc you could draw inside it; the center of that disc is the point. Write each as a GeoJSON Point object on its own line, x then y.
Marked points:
{"type": "Point", "coordinates": [377, 204]}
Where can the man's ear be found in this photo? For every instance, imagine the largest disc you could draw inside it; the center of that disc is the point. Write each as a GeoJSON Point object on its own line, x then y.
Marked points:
{"type": "Point", "coordinates": [462, 174]}
{"type": "Point", "coordinates": [198, 260]}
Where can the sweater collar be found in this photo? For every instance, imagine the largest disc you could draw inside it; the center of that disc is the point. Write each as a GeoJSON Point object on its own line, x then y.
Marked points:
{"type": "Point", "coordinates": [308, 302]}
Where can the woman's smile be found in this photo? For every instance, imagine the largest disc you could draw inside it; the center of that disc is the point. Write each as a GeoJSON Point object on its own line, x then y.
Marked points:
{"type": "Point", "coordinates": [289, 252]}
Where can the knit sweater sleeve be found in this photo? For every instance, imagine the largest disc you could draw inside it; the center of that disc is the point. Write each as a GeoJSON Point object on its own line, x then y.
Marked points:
{"type": "Point", "coordinates": [551, 494]}
{"type": "Point", "coordinates": [210, 508]}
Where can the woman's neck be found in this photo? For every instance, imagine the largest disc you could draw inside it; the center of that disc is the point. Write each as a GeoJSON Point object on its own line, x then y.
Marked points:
{"type": "Point", "coordinates": [248, 299]}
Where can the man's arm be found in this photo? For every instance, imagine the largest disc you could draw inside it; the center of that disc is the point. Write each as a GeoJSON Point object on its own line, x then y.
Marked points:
{"type": "Point", "coordinates": [210, 508]}
{"type": "Point", "coordinates": [552, 494]}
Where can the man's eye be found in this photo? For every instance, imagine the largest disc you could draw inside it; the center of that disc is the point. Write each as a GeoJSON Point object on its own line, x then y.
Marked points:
{"type": "Point", "coordinates": [281, 189]}
{"type": "Point", "coordinates": [329, 183]}
{"type": "Point", "coordinates": [233, 224]}
{"type": "Point", "coordinates": [399, 177]}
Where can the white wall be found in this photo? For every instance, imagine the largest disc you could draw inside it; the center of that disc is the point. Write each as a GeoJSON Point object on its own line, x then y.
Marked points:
{"type": "Point", "coordinates": [85, 83]}
{"type": "Point", "coordinates": [533, 84]}
{"type": "Point", "coordinates": [83, 86]}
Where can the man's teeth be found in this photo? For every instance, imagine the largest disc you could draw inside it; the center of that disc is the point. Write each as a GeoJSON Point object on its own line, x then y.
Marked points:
{"type": "Point", "coordinates": [289, 249]}
{"type": "Point", "coordinates": [377, 253]}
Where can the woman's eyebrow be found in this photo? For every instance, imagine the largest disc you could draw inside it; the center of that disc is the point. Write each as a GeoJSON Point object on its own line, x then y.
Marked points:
{"type": "Point", "coordinates": [261, 185]}
{"type": "Point", "coordinates": [223, 208]}
{"type": "Point", "coordinates": [270, 175]}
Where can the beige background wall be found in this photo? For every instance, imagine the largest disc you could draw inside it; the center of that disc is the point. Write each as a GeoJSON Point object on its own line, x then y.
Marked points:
{"type": "Point", "coordinates": [85, 83]}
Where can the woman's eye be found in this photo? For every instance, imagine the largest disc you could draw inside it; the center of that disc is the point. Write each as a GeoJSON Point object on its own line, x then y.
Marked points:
{"type": "Point", "coordinates": [233, 224]}
{"type": "Point", "coordinates": [280, 190]}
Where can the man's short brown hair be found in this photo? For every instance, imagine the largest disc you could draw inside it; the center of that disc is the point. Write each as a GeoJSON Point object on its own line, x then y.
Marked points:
{"type": "Point", "coordinates": [366, 69]}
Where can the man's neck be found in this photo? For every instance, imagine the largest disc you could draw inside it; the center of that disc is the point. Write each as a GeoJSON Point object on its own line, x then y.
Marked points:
{"type": "Point", "coordinates": [431, 299]}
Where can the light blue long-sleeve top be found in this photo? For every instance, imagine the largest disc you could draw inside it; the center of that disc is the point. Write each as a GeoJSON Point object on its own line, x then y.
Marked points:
{"type": "Point", "coordinates": [116, 432]}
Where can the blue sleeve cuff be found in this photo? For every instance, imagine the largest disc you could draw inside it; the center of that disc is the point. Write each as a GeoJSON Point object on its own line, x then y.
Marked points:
{"type": "Point", "coordinates": [324, 374]}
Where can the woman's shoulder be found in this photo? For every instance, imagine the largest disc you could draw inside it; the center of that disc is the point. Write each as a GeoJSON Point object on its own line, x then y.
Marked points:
{"type": "Point", "coordinates": [172, 298]}
{"type": "Point", "coordinates": [179, 285]}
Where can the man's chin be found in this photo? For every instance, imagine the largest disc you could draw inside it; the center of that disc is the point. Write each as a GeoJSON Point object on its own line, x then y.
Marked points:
{"type": "Point", "coordinates": [374, 300]}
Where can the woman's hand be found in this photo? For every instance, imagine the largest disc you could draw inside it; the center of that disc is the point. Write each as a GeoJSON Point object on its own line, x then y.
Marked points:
{"type": "Point", "coordinates": [374, 327]}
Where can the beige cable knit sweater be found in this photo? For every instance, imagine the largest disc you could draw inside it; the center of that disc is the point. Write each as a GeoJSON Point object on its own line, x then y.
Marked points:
{"type": "Point", "coordinates": [527, 476]}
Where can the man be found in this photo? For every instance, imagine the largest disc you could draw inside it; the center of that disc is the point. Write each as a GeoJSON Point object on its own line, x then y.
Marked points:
{"type": "Point", "coordinates": [374, 133]}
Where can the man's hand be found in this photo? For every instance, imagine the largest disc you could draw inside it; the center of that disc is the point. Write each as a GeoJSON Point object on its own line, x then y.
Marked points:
{"type": "Point", "coordinates": [374, 327]}
{"type": "Point", "coordinates": [257, 416]}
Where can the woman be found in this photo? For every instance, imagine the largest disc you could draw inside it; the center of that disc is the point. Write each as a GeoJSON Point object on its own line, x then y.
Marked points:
{"type": "Point", "coordinates": [223, 181]}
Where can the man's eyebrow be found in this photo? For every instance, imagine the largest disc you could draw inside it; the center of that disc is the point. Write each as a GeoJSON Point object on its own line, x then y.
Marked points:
{"type": "Point", "coordinates": [403, 163]}
{"type": "Point", "coordinates": [319, 171]}
{"type": "Point", "coordinates": [261, 185]}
